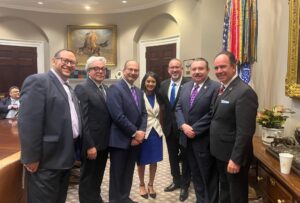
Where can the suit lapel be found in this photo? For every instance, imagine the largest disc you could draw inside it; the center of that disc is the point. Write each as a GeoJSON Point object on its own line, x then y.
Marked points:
{"type": "Point", "coordinates": [126, 88]}
{"type": "Point", "coordinates": [59, 86]}
{"type": "Point", "coordinates": [226, 92]}
{"type": "Point", "coordinates": [94, 87]}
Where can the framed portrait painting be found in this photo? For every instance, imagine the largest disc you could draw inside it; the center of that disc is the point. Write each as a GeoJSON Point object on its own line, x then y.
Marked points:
{"type": "Point", "coordinates": [86, 41]}
{"type": "Point", "coordinates": [187, 66]}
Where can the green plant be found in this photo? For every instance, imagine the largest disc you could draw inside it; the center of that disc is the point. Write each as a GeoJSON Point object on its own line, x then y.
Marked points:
{"type": "Point", "coordinates": [274, 118]}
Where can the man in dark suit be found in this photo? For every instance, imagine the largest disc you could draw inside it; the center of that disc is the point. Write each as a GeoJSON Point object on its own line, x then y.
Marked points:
{"type": "Point", "coordinates": [49, 125]}
{"type": "Point", "coordinates": [9, 106]}
{"type": "Point", "coordinates": [96, 122]}
{"type": "Point", "coordinates": [232, 129]}
{"type": "Point", "coordinates": [170, 91]}
{"type": "Point", "coordinates": [193, 115]}
{"type": "Point", "coordinates": [129, 115]}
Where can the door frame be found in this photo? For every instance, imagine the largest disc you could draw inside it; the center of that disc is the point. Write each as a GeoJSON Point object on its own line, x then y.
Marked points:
{"type": "Point", "coordinates": [39, 45]}
{"type": "Point", "coordinates": [143, 44]}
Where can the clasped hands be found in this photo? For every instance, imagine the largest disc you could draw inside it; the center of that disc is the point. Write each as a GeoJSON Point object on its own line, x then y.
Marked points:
{"type": "Point", "coordinates": [188, 130]}
{"type": "Point", "coordinates": [32, 167]}
{"type": "Point", "coordinates": [138, 138]}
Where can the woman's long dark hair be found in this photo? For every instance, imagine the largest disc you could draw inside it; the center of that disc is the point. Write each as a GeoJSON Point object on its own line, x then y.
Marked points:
{"type": "Point", "coordinates": [156, 89]}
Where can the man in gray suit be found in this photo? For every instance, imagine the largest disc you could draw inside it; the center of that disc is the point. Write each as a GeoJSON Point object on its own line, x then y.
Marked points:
{"type": "Point", "coordinates": [96, 122]}
{"type": "Point", "coordinates": [232, 129]}
{"type": "Point", "coordinates": [49, 126]}
{"type": "Point", "coordinates": [193, 115]}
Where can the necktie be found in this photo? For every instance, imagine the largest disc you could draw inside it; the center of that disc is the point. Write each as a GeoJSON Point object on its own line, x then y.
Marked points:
{"type": "Point", "coordinates": [221, 90]}
{"type": "Point", "coordinates": [133, 92]}
{"type": "Point", "coordinates": [173, 94]}
{"type": "Point", "coordinates": [194, 94]}
{"type": "Point", "coordinates": [101, 88]}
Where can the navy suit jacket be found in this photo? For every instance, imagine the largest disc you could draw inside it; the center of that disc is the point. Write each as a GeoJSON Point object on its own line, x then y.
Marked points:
{"type": "Point", "coordinates": [233, 123]}
{"type": "Point", "coordinates": [4, 103]}
{"type": "Point", "coordinates": [45, 126]}
{"type": "Point", "coordinates": [126, 115]}
{"type": "Point", "coordinates": [95, 114]}
{"type": "Point", "coordinates": [199, 114]}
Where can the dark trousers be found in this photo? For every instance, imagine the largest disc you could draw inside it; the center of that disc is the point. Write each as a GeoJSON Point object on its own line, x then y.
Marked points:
{"type": "Point", "coordinates": [204, 175]}
{"type": "Point", "coordinates": [91, 175]}
{"type": "Point", "coordinates": [122, 163]}
{"type": "Point", "coordinates": [178, 154]}
{"type": "Point", "coordinates": [47, 186]}
{"type": "Point", "coordinates": [233, 187]}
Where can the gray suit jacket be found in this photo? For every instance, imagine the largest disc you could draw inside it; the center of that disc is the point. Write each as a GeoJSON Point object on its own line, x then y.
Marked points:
{"type": "Point", "coordinates": [45, 127]}
{"type": "Point", "coordinates": [233, 123]}
{"type": "Point", "coordinates": [199, 114]}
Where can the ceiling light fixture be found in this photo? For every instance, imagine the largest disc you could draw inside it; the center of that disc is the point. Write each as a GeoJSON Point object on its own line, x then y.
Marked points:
{"type": "Point", "coordinates": [124, 2]}
{"type": "Point", "coordinates": [40, 3]}
{"type": "Point", "coordinates": [87, 7]}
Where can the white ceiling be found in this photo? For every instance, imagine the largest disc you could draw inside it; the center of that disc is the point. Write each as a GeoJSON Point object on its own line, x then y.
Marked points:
{"type": "Point", "coordinates": [78, 6]}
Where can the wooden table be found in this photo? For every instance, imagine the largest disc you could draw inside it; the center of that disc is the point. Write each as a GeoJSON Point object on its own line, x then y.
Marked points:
{"type": "Point", "coordinates": [10, 167]}
{"type": "Point", "coordinates": [276, 187]}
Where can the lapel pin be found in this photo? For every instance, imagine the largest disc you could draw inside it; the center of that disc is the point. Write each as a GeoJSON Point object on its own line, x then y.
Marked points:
{"type": "Point", "coordinates": [205, 87]}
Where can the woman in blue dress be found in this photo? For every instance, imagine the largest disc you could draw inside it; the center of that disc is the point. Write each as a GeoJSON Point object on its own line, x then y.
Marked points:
{"type": "Point", "coordinates": [151, 148]}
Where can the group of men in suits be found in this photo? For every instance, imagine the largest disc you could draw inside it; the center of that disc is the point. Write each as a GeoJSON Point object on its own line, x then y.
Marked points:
{"type": "Point", "coordinates": [208, 128]}
{"type": "Point", "coordinates": [9, 106]}
{"type": "Point", "coordinates": [210, 125]}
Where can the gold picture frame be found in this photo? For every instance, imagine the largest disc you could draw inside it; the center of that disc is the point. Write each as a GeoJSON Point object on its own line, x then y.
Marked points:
{"type": "Point", "coordinates": [292, 80]}
{"type": "Point", "coordinates": [88, 40]}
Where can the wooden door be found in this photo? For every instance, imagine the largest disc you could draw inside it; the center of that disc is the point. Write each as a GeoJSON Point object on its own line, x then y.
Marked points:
{"type": "Point", "coordinates": [158, 57]}
{"type": "Point", "coordinates": [16, 63]}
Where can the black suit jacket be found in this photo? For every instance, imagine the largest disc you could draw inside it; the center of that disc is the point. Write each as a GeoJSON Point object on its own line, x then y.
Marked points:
{"type": "Point", "coordinates": [45, 126]}
{"type": "Point", "coordinates": [4, 103]}
{"type": "Point", "coordinates": [168, 111]}
{"type": "Point", "coordinates": [199, 114]}
{"type": "Point", "coordinates": [233, 123]}
{"type": "Point", "coordinates": [96, 117]}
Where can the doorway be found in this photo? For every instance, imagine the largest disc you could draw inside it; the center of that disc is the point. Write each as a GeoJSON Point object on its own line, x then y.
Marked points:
{"type": "Point", "coordinates": [158, 57]}
{"type": "Point", "coordinates": [16, 63]}
{"type": "Point", "coordinates": [155, 55]}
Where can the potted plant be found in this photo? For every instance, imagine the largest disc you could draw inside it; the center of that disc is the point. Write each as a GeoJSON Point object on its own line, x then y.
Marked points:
{"type": "Point", "coordinates": [272, 122]}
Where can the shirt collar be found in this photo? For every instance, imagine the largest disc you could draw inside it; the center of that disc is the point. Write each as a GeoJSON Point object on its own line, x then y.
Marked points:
{"type": "Point", "coordinates": [58, 77]}
{"type": "Point", "coordinates": [230, 81]}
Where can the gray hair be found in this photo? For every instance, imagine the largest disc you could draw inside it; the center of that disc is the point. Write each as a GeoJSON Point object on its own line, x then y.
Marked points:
{"type": "Point", "coordinates": [92, 59]}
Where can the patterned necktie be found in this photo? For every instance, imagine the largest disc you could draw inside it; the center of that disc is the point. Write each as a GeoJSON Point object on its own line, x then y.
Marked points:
{"type": "Point", "coordinates": [194, 94]}
{"type": "Point", "coordinates": [221, 90]}
{"type": "Point", "coordinates": [101, 88]}
{"type": "Point", "coordinates": [133, 92]}
{"type": "Point", "coordinates": [173, 94]}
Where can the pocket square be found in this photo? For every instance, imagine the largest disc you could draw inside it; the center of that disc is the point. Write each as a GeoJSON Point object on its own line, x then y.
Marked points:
{"type": "Point", "coordinates": [224, 102]}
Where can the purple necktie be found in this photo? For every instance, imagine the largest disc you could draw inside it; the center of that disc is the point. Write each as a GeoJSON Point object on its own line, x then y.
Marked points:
{"type": "Point", "coordinates": [194, 94]}
{"type": "Point", "coordinates": [133, 92]}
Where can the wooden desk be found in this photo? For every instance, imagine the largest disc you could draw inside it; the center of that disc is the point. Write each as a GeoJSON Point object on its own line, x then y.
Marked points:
{"type": "Point", "coordinates": [10, 166]}
{"type": "Point", "coordinates": [275, 186]}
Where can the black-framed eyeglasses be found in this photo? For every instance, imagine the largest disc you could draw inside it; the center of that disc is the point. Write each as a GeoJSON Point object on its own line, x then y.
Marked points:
{"type": "Point", "coordinates": [98, 69]}
{"type": "Point", "coordinates": [67, 61]}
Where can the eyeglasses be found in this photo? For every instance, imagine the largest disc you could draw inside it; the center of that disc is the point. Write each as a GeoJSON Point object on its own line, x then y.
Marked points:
{"type": "Point", "coordinates": [98, 69]}
{"type": "Point", "coordinates": [67, 61]}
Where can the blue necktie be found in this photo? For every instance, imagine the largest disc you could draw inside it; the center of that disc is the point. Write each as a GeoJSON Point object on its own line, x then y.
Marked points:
{"type": "Point", "coordinates": [173, 94]}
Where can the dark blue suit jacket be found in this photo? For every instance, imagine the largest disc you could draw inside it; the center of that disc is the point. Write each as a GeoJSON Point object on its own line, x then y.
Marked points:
{"type": "Point", "coordinates": [199, 114]}
{"type": "Point", "coordinates": [45, 127]}
{"type": "Point", "coordinates": [127, 117]}
{"type": "Point", "coordinates": [4, 103]}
